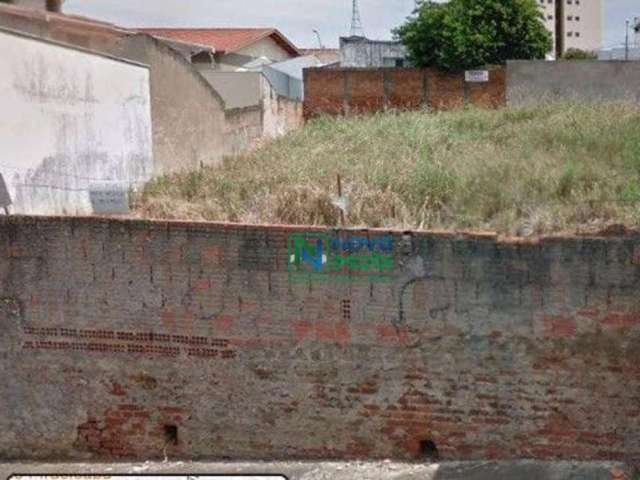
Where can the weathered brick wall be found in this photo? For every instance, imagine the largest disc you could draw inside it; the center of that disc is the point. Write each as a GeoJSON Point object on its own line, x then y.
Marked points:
{"type": "Point", "coordinates": [337, 91]}
{"type": "Point", "coordinates": [323, 91]}
{"type": "Point", "coordinates": [119, 337]}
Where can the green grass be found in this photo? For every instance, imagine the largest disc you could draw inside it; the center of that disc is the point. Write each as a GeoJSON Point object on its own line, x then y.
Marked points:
{"type": "Point", "coordinates": [549, 167]}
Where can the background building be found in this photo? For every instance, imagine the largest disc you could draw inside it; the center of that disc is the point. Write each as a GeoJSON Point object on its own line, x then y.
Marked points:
{"type": "Point", "coordinates": [234, 47]}
{"type": "Point", "coordinates": [573, 23]}
{"type": "Point", "coordinates": [361, 52]}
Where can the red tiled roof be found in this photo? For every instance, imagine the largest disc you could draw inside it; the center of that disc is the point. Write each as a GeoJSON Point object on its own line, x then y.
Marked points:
{"type": "Point", "coordinates": [223, 40]}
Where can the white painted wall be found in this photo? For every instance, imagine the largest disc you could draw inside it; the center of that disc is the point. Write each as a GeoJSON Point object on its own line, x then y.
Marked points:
{"type": "Point", "coordinates": [69, 119]}
{"type": "Point", "coordinates": [266, 47]}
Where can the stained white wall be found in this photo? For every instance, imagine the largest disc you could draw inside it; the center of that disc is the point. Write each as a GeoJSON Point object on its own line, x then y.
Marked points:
{"type": "Point", "coordinates": [69, 119]}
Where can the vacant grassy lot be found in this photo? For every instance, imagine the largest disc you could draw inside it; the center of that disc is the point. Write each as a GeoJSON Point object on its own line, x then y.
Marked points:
{"type": "Point", "coordinates": [527, 170]}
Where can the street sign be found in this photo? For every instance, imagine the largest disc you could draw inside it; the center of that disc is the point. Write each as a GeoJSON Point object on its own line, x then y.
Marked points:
{"type": "Point", "coordinates": [476, 76]}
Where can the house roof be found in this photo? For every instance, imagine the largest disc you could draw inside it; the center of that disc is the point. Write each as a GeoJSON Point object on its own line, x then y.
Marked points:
{"type": "Point", "coordinates": [224, 40]}
{"type": "Point", "coordinates": [326, 55]}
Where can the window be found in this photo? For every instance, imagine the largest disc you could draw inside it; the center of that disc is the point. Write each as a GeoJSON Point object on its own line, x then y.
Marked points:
{"type": "Point", "coordinates": [569, 34]}
{"type": "Point", "coordinates": [577, 34]}
{"type": "Point", "coordinates": [570, 17]}
{"type": "Point", "coordinates": [577, 19]}
{"type": "Point", "coordinates": [549, 17]}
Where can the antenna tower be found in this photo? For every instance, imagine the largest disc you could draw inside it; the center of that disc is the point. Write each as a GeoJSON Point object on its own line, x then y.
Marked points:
{"type": "Point", "coordinates": [356, 21]}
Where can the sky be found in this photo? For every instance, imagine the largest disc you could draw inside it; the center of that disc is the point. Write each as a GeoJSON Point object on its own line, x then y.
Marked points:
{"type": "Point", "coordinates": [295, 18]}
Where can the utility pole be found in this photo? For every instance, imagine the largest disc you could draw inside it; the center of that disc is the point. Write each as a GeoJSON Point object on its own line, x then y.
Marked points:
{"type": "Point", "coordinates": [356, 21]}
{"type": "Point", "coordinates": [626, 42]}
{"type": "Point", "coordinates": [559, 28]}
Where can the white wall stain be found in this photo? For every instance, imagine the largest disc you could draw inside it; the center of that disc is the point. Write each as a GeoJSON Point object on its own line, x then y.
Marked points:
{"type": "Point", "coordinates": [69, 119]}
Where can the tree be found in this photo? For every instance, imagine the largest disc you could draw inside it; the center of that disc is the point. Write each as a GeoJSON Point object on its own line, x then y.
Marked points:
{"type": "Point", "coordinates": [465, 34]}
{"type": "Point", "coordinates": [578, 54]}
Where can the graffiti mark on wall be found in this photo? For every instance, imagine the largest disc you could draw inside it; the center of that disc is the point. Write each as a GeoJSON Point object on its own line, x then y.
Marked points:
{"type": "Point", "coordinates": [322, 257]}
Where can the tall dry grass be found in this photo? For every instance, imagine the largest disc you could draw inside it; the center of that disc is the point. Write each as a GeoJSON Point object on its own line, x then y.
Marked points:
{"type": "Point", "coordinates": [553, 166]}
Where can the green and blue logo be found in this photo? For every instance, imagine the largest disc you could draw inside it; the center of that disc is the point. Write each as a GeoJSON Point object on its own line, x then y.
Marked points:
{"type": "Point", "coordinates": [320, 256]}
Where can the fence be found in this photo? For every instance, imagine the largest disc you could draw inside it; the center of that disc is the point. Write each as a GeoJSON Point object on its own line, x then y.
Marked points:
{"type": "Point", "coordinates": [118, 332]}
{"type": "Point", "coordinates": [529, 81]}
{"type": "Point", "coordinates": [347, 91]}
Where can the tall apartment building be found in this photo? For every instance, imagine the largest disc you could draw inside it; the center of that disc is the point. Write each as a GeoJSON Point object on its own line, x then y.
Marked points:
{"type": "Point", "coordinates": [573, 23]}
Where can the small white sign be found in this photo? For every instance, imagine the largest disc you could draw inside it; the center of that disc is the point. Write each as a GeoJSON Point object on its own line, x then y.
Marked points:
{"type": "Point", "coordinates": [476, 76]}
{"type": "Point", "coordinates": [109, 198]}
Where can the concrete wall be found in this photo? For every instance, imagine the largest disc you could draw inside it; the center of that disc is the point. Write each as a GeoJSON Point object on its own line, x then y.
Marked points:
{"type": "Point", "coordinates": [338, 91]}
{"type": "Point", "coordinates": [70, 119]}
{"type": "Point", "coordinates": [258, 342]}
{"type": "Point", "coordinates": [187, 113]}
{"type": "Point", "coordinates": [245, 129]}
{"type": "Point", "coordinates": [280, 115]}
{"type": "Point", "coordinates": [591, 80]}
{"type": "Point", "coordinates": [255, 110]}
{"type": "Point", "coordinates": [358, 52]}
{"type": "Point", "coordinates": [272, 117]}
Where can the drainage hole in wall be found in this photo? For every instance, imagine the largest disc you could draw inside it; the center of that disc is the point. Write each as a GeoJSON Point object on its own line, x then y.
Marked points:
{"type": "Point", "coordinates": [345, 307]}
{"type": "Point", "coordinates": [428, 449]}
{"type": "Point", "coordinates": [171, 434]}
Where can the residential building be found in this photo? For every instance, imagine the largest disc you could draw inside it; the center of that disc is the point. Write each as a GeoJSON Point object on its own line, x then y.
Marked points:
{"type": "Point", "coordinates": [256, 71]}
{"type": "Point", "coordinates": [234, 48]}
{"type": "Point", "coordinates": [360, 52]}
{"type": "Point", "coordinates": [574, 24]}
{"type": "Point", "coordinates": [326, 55]}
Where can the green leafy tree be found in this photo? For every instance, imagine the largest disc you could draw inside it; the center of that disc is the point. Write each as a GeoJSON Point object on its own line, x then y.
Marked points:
{"type": "Point", "coordinates": [578, 54]}
{"type": "Point", "coordinates": [464, 34]}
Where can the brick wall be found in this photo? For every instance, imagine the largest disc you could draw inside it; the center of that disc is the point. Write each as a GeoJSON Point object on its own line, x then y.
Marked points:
{"type": "Point", "coordinates": [340, 91]}
{"type": "Point", "coordinates": [124, 338]}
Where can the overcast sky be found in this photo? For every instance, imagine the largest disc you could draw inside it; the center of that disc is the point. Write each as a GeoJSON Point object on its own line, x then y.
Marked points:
{"type": "Point", "coordinates": [295, 18]}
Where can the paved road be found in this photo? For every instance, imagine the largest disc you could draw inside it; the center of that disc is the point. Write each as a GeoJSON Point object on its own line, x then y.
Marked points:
{"type": "Point", "coordinates": [521, 470]}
